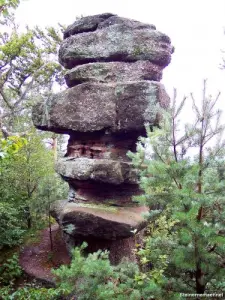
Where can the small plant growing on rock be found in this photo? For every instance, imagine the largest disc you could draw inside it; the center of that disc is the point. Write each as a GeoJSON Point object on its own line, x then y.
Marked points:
{"type": "Point", "coordinates": [69, 228]}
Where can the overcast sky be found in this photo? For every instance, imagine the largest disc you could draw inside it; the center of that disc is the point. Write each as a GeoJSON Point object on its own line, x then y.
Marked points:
{"type": "Point", "coordinates": [196, 28]}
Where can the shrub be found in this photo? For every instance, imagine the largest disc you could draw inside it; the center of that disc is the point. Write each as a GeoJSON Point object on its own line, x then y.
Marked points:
{"type": "Point", "coordinates": [10, 270]}
{"type": "Point", "coordinates": [11, 231]}
{"type": "Point", "coordinates": [93, 277]}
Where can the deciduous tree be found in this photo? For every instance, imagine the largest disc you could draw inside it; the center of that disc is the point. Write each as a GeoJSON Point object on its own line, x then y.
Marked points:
{"type": "Point", "coordinates": [28, 68]}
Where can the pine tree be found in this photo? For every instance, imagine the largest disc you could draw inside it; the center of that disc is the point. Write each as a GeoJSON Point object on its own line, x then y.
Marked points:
{"type": "Point", "coordinates": [184, 186]}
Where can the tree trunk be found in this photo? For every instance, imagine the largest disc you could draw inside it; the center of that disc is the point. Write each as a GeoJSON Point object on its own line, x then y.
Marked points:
{"type": "Point", "coordinates": [50, 229]}
{"type": "Point", "coordinates": [28, 217]}
{"type": "Point", "coordinates": [199, 275]}
{"type": "Point", "coordinates": [200, 287]}
{"type": "Point", "coordinates": [54, 146]}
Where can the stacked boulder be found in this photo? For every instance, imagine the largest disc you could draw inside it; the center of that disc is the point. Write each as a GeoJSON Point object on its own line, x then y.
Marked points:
{"type": "Point", "coordinates": [115, 65]}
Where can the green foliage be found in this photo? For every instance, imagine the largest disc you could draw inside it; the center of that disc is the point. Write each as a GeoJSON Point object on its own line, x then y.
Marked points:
{"type": "Point", "coordinates": [69, 229]}
{"type": "Point", "coordinates": [29, 72]}
{"type": "Point", "coordinates": [27, 170]}
{"type": "Point", "coordinates": [10, 146]}
{"type": "Point", "coordinates": [10, 216]}
{"type": "Point", "coordinates": [10, 270]}
{"type": "Point", "coordinates": [186, 194]}
{"type": "Point", "coordinates": [29, 69]}
{"type": "Point", "coordinates": [5, 6]}
{"type": "Point", "coordinates": [23, 173]}
{"type": "Point", "coordinates": [30, 293]}
{"type": "Point", "coordinates": [11, 231]}
{"type": "Point", "coordinates": [31, 164]}
{"type": "Point", "coordinates": [51, 188]}
{"type": "Point", "coordinates": [159, 236]}
{"type": "Point", "coordinates": [93, 277]}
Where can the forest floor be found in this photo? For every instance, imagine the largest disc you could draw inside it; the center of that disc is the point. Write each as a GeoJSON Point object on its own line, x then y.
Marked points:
{"type": "Point", "coordinates": [37, 259]}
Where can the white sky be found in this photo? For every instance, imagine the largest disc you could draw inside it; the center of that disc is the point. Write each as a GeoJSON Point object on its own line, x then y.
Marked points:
{"type": "Point", "coordinates": [194, 26]}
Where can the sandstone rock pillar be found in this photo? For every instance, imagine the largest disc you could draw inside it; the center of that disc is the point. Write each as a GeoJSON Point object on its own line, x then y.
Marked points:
{"type": "Point", "coordinates": [114, 68]}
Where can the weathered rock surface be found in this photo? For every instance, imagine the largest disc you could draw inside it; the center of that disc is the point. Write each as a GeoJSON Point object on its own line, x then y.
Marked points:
{"type": "Point", "coordinates": [89, 107]}
{"type": "Point", "coordinates": [113, 72]}
{"type": "Point", "coordinates": [99, 221]}
{"type": "Point", "coordinates": [86, 24]}
{"type": "Point", "coordinates": [115, 68]}
{"type": "Point", "coordinates": [101, 170]}
{"type": "Point", "coordinates": [116, 43]}
{"type": "Point", "coordinates": [92, 23]}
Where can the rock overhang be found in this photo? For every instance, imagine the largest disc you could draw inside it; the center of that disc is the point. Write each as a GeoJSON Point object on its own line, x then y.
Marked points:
{"type": "Point", "coordinates": [100, 221]}
{"type": "Point", "coordinates": [90, 107]}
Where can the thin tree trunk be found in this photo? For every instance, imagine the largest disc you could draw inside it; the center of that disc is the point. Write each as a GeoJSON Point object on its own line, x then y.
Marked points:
{"type": "Point", "coordinates": [29, 222]}
{"type": "Point", "coordinates": [54, 146]}
{"type": "Point", "coordinates": [50, 229]}
{"type": "Point", "coordinates": [199, 276]}
{"type": "Point", "coordinates": [28, 217]}
{"type": "Point", "coordinates": [200, 287]}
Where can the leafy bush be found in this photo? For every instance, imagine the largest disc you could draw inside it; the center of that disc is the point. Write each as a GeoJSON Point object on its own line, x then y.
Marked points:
{"type": "Point", "coordinates": [11, 231]}
{"type": "Point", "coordinates": [10, 146]}
{"type": "Point", "coordinates": [10, 270]}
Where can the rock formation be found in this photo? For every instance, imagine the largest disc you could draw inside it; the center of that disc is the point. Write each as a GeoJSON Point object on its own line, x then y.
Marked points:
{"type": "Point", "coordinates": [115, 65]}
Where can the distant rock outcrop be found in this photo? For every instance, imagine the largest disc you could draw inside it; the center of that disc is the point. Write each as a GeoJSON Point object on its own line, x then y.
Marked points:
{"type": "Point", "coordinates": [115, 65]}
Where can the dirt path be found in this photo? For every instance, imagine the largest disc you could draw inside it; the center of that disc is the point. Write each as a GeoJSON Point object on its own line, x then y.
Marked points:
{"type": "Point", "coordinates": [38, 260]}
